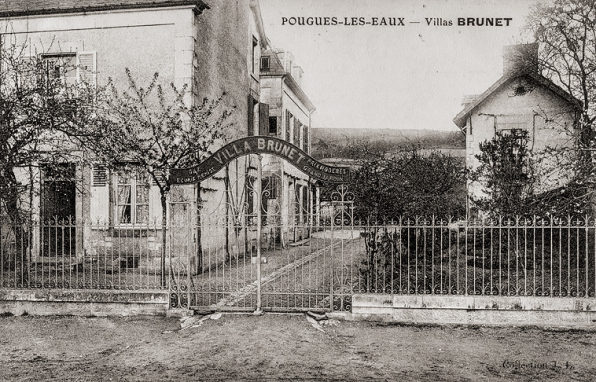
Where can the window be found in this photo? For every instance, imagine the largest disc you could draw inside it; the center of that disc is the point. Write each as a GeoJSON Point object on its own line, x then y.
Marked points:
{"type": "Point", "coordinates": [253, 115]}
{"type": "Point", "coordinates": [69, 67]}
{"type": "Point", "coordinates": [516, 132]}
{"type": "Point", "coordinates": [265, 64]}
{"type": "Point", "coordinates": [305, 138]}
{"type": "Point", "coordinates": [297, 127]}
{"type": "Point", "coordinates": [100, 176]}
{"type": "Point", "coordinates": [305, 203]}
{"type": "Point", "coordinates": [272, 125]}
{"type": "Point", "coordinates": [288, 125]}
{"type": "Point", "coordinates": [512, 122]}
{"type": "Point", "coordinates": [132, 199]}
{"type": "Point", "coordinates": [59, 68]}
{"type": "Point", "coordinates": [516, 126]}
{"type": "Point", "coordinates": [296, 189]}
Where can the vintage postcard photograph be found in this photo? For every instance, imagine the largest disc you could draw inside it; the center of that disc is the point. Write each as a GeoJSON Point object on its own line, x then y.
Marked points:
{"type": "Point", "coordinates": [272, 190]}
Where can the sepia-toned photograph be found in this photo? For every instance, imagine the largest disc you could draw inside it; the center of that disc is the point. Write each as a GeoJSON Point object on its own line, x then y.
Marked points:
{"type": "Point", "coordinates": [301, 190]}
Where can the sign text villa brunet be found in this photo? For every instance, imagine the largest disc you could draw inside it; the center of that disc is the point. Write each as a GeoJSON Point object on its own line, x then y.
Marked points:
{"type": "Point", "coordinates": [260, 145]}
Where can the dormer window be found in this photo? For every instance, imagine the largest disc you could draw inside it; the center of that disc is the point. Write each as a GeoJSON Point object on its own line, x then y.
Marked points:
{"type": "Point", "coordinates": [265, 64]}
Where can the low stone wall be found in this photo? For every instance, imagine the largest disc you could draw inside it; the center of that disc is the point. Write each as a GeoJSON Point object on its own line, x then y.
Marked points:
{"type": "Point", "coordinates": [477, 310]}
{"type": "Point", "coordinates": [84, 302]}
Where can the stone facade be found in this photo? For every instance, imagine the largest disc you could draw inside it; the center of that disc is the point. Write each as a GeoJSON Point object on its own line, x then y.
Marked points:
{"type": "Point", "coordinates": [475, 310]}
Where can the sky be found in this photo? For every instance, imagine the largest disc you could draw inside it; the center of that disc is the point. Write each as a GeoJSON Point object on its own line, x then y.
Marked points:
{"type": "Point", "coordinates": [394, 77]}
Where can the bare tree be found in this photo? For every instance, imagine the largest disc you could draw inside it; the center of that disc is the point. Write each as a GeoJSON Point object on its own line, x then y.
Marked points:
{"type": "Point", "coordinates": [152, 130]}
{"type": "Point", "coordinates": [38, 108]}
{"type": "Point", "coordinates": [566, 31]}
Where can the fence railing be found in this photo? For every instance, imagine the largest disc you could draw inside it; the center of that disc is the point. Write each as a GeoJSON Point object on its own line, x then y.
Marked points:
{"type": "Point", "coordinates": [520, 257]}
{"type": "Point", "coordinates": [62, 254]}
{"type": "Point", "coordinates": [72, 255]}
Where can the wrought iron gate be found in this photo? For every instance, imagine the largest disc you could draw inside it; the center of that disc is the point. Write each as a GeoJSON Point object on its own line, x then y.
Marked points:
{"type": "Point", "coordinates": [275, 247]}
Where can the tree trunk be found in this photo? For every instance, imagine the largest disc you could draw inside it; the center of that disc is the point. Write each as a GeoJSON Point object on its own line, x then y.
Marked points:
{"type": "Point", "coordinates": [199, 242]}
{"type": "Point", "coordinates": [10, 197]}
{"type": "Point", "coordinates": [227, 201]}
{"type": "Point", "coordinates": [164, 221]}
{"type": "Point", "coordinates": [20, 262]}
{"type": "Point", "coordinates": [586, 164]}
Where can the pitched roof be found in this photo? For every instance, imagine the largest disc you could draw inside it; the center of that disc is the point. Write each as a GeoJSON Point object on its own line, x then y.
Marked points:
{"type": "Point", "coordinates": [468, 98]}
{"type": "Point", "coordinates": [460, 119]}
{"type": "Point", "coordinates": [16, 8]}
{"type": "Point", "coordinates": [277, 70]}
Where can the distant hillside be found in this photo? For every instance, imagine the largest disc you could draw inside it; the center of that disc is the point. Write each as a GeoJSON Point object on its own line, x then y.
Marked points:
{"type": "Point", "coordinates": [336, 143]}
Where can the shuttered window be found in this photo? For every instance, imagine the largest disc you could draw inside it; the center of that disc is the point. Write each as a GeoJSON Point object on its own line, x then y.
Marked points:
{"type": "Point", "coordinates": [27, 73]}
{"type": "Point", "coordinates": [297, 126]}
{"type": "Point", "coordinates": [253, 115]}
{"type": "Point", "coordinates": [87, 68]}
{"type": "Point", "coordinates": [100, 176]}
{"type": "Point", "coordinates": [288, 124]}
{"type": "Point", "coordinates": [59, 68]}
{"type": "Point", "coordinates": [67, 67]}
{"type": "Point", "coordinates": [305, 138]}
{"type": "Point", "coordinates": [263, 119]}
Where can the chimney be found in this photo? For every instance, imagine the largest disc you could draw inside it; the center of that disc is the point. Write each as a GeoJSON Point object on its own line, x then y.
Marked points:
{"type": "Point", "coordinates": [287, 58]}
{"type": "Point", "coordinates": [518, 58]}
{"type": "Point", "coordinates": [297, 73]}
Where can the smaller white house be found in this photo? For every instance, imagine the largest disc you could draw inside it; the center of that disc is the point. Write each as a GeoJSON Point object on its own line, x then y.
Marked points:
{"type": "Point", "coordinates": [522, 99]}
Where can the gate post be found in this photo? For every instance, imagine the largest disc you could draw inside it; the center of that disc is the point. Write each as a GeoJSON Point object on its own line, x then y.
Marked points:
{"type": "Point", "coordinates": [259, 217]}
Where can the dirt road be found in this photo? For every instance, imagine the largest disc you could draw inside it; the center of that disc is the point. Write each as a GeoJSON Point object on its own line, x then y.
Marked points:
{"type": "Point", "coordinates": [278, 347]}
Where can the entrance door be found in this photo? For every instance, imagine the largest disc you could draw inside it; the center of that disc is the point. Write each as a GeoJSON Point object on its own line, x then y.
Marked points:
{"type": "Point", "coordinates": [58, 208]}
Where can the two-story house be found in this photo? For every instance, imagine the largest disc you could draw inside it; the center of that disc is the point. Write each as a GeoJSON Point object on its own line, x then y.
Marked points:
{"type": "Point", "coordinates": [213, 48]}
{"type": "Point", "coordinates": [522, 99]}
{"type": "Point", "coordinates": [290, 194]}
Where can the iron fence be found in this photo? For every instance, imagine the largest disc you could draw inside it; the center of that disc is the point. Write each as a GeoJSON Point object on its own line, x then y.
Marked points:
{"type": "Point", "coordinates": [311, 263]}
{"type": "Point", "coordinates": [69, 255]}
{"type": "Point", "coordinates": [508, 257]}
{"type": "Point", "coordinates": [305, 264]}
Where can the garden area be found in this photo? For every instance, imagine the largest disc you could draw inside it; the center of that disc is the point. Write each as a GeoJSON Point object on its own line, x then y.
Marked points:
{"type": "Point", "coordinates": [511, 258]}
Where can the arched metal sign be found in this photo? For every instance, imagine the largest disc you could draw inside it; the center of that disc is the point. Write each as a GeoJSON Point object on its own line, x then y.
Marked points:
{"type": "Point", "coordinates": [260, 145]}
